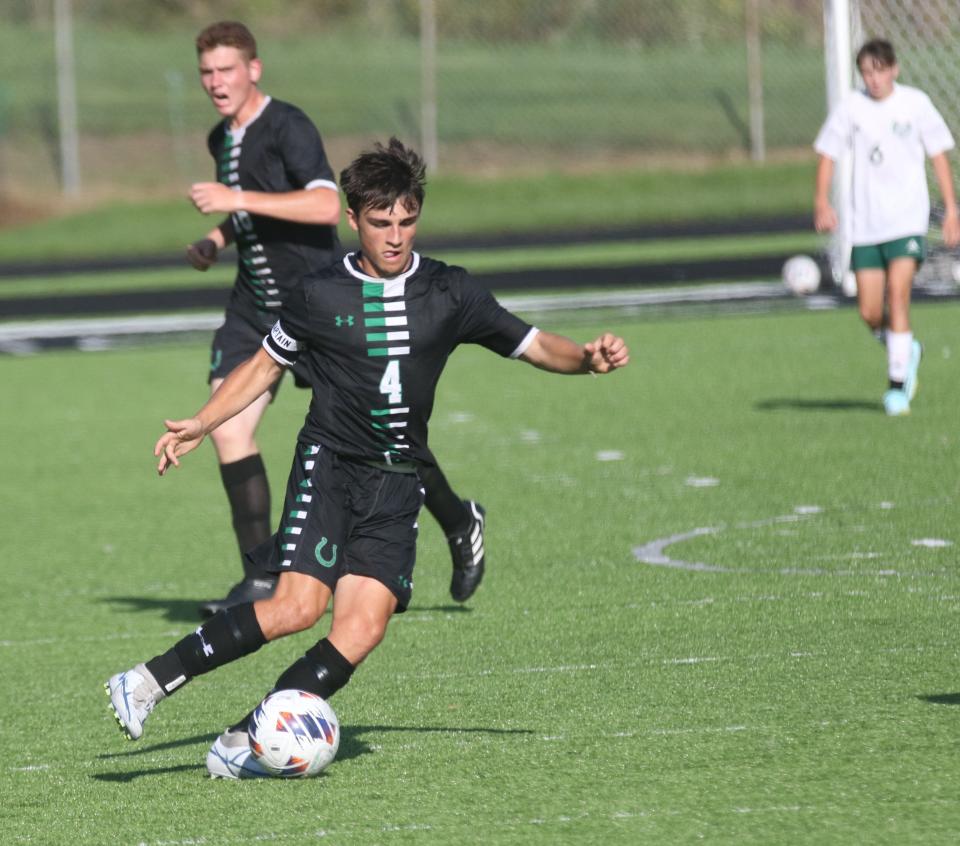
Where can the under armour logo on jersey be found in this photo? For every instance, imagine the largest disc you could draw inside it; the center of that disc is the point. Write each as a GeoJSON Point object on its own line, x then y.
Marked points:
{"type": "Point", "coordinates": [344, 321]}
{"type": "Point", "coordinates": [207, 648]}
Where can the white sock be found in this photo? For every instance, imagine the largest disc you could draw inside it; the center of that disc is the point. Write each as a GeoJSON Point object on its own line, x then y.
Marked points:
{"type": "Point", "coordinates": [898, 354]}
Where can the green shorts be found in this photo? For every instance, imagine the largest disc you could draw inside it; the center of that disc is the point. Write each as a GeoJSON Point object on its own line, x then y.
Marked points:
{"type": "Point", "coordinates": [880, 255]}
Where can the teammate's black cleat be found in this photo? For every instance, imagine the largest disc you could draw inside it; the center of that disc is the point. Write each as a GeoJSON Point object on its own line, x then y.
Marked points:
{"type": "Point", "coordinates": [467, 552]}
{"type": "Point", "coordinates": [249, 590]}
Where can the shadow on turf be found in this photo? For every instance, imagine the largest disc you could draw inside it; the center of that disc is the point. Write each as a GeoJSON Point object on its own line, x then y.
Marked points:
{"type": "Point", "coordinates": [797, 404]}
{"type": "Point", "coordinates": [352, 745]}
{"type": "Point", "coordinates": [174, 610]}
{"type": "Point", "coordinates": [130, 776]}
{"type": "Point", "coordinates": [188, 610]}
{"type": "Point", "coordinates": [941, 698]}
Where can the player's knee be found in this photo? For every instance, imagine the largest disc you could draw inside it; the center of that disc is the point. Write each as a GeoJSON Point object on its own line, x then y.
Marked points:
{"type": "Point", "coordinates": [229, 439]}
{"type": "Point", "coordinates": [362, 632]}
{"type": "Point", "coordinates": [291, 614]}
{"type": "Point", "coordinates": [871, 316]}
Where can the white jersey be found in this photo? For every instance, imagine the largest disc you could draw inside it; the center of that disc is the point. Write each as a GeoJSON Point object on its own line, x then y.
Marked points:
{"type": "Point", "coordinates": [889, 139]}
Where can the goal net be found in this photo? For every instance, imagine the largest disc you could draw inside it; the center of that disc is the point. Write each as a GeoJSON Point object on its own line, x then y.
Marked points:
{"type": "Point", "coordinates": [925, 35]}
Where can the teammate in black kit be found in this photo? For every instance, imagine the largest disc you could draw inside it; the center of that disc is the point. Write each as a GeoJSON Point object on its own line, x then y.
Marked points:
{"type": "Point", "coordinates": [377, 329]}
{"type": "Point", "coordinates": [276, 185]}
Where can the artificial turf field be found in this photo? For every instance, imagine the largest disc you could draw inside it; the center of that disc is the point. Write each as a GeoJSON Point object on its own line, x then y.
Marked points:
{"type": "Point", "coordinates": [721, 604]}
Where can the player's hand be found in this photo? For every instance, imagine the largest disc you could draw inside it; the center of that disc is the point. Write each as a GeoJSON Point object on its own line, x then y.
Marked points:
{"type": "Point", "coordinates": [181, 437]}
{"type": "Point", "coordinates": [606, 353]}
{"type": "Point", "coordinates": [951, 229]}
{"type": "Point", "coordinates": [202, 254]}
{"type": "Point", "coordinates": [212, 197]}
{"type": "Point", "coordinates": [825, 218]}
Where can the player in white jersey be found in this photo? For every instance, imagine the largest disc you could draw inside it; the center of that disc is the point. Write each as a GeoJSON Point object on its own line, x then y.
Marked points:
{"type": "Point", "coordinates": [890, 129]}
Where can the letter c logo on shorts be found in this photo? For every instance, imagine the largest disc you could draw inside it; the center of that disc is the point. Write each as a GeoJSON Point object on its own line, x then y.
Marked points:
{"type": "Point", "coordinates": [318, 552]}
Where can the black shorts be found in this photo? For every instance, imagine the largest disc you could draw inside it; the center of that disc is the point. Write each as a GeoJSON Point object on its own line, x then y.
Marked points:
{"type": "Point", "coordinates": [238, 339]}
{"type": "Point", "coordinates": [345, 517]}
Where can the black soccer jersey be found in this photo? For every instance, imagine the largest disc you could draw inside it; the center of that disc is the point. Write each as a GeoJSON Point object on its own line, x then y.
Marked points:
{"type": "Point", "coordinates": [376, 349]}
{"type": "Point", "coordinates": [278, 150]}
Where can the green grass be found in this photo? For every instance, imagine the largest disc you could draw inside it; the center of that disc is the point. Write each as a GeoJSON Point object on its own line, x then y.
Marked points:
{"type": "Point", "coordinates": [458, 206]}
{"type": "Point", "coordinates": [573, 94]}
{"type": "Point", "coordinates": [808, 693]}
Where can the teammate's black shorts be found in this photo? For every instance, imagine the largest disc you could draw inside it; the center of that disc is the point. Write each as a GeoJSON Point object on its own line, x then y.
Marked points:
{"type": "Point", "coordinates": [235, 341]}
{"type": "Point", "coordinates": [343, 517]}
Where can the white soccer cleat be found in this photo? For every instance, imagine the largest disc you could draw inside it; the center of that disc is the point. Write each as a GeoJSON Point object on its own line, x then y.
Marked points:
{"type": "Point", "coordinates": [231, 757]}
{"type": "Point", "coordinates": [895, 403]}
{"type": "Point", "coordinates": [133, 695]}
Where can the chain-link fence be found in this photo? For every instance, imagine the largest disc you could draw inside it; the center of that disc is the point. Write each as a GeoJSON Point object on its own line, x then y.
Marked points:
{"type": "Point", "coordinates": [481, 86]}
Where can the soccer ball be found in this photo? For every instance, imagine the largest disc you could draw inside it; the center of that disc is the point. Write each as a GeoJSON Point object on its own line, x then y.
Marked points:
{"type": "Point", "coordinates": [294, 734]}
{"type": "Point", "coordinates": [801, 275]}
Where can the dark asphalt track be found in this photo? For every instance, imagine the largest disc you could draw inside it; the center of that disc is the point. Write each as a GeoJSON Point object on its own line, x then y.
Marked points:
{"type": "Point", "coordinates": [631, 275]}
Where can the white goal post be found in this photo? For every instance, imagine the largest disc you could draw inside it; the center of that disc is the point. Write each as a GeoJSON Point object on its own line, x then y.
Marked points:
{"type": "Point", "coordinates": [925, 35]}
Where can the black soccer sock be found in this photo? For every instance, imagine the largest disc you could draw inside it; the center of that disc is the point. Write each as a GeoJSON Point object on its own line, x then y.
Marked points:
{"type": "Point", "coordinates": [226, 636]}
{"type": "Point", "coordinates": [446, 507]}
{"type": "Point", "coordinates": [322, 670]}
{"type": "Point", "coordinates": [248, 493]}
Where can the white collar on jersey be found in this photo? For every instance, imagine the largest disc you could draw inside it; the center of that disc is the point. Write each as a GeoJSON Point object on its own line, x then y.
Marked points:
{"type": "Point", "coordinates": [401, 277]}
{"type": "Point", "coordinates": [240, 130]}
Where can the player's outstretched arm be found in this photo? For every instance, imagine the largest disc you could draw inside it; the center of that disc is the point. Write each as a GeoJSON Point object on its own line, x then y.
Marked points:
{"type": "Point", "coordinates": [309, 205]}
{"type": "Point", "coordinates": [244, 384]}
{"type": "Point", "coordinates": [561, 355]}
{"type": "Point", "coordinates": [951, 218]}
{"type": "Point", "coordinates": [824, 215]}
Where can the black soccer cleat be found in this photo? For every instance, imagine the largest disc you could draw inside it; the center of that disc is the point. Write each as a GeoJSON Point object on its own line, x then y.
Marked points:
{"type": "Point", "coordinates": [248, 590]}
{"type": "Point", "coordinates": [467, 552]}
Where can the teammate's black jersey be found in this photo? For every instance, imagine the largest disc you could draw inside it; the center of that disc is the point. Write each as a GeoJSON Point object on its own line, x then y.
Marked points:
{"type": "Point", "coordinates": [376, 349]}
{"type": "Point", "coordinates": [278, 150]}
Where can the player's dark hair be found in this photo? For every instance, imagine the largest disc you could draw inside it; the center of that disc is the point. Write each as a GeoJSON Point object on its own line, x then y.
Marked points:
{"type": "Point", "coordinates": [228, 34]}
{"type": "Point", "coordinates": [879, 52]}
{"type": "Point", "coordinates": [377, 178]}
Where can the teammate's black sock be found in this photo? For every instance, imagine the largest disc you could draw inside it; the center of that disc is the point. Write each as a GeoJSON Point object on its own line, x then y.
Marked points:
{"type": "Point", "coordinates": [322, 670]}
{"type": "Point", "coordinates": [226, 636]}
{"type": "Point", "coordinates": [248, 492]}
{"type": "Point", "coordinates": [445, 506]}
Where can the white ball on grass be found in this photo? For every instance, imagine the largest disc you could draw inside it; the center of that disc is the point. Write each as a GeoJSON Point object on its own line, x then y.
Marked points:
{"type": "Point", "coordinates": [801, 275]}
{"type": "Point", "coordinates": [294, 734]}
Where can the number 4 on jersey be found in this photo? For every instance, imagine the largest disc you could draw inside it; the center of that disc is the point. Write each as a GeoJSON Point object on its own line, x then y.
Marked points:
{"type": "Point", "coordinates": [390, 383]}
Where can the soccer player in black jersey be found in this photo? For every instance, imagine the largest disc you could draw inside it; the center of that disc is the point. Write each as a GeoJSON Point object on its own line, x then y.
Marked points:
{"type": "Point", "coordinates": [377, 328]}
{"type": "Point", "coordinates": [276, 186]}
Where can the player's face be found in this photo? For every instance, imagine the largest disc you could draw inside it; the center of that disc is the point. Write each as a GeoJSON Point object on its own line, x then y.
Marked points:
{"type": "Point", "coordinates": [230, 82]}
{"type": "Point", "coordinates": [878, 78]}
{"type": "Point", "coordinates": [386, 238]}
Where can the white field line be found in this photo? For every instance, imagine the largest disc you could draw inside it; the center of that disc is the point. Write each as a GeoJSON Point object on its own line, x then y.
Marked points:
{"type": "Point", "coordinates": [108, 327]}
{"type": "Point", "coordinates": [522, 826]}
{"type": "Point", "coordinates": [654, 552]}
{"type": "Point", "coordinates": [679, 661]}
{"type": "Point", "coordinates": [709, 601]}
{"type": "Point", "coordinates": [26, 331]}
